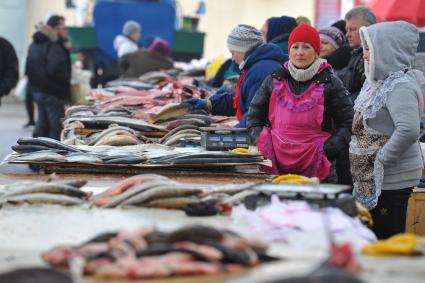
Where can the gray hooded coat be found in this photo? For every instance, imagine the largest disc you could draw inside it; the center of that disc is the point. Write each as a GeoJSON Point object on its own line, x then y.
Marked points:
{"type": "Point", "coordinates": [392, 47]}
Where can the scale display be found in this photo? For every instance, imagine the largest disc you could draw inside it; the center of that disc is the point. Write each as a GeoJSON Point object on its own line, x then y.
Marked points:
{"type": "Point", "coordinates": [224, 139]}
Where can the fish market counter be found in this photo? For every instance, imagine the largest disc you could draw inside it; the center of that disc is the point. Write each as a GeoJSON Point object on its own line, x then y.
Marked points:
{"type": "Point", "coordinates": [29, 231]}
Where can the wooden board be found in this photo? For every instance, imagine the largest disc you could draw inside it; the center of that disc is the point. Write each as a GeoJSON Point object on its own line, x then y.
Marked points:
{"type": "Point", "coordinates": [415, 219]}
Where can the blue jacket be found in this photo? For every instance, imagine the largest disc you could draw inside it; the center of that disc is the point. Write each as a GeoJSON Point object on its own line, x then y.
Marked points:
{"type": "Point", "coordinates": [279, 29]}
{"type": "Point", "coordinates": [260, 63]}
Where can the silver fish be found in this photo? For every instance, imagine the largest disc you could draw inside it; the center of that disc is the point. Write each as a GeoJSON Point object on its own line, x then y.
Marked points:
{"type": "Point", "coordinates": [171, 203]}
{"type": "Point", "coordinates": [43, 198]}
{"type": "Point", "coordinates": [117, 200]}
{"type": "Point", "coordinates": [162, 191]}
{"type": "Point", "coordinates": [51, 188]}
{"type": "Point", "coordinates": [84, 158]}
{"type": "Point", "coordinates": [43, 155]}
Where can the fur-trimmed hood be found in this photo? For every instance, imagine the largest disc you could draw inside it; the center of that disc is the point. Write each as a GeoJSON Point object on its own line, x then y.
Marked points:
{"type": "Point", "coordinates": [45, 32]}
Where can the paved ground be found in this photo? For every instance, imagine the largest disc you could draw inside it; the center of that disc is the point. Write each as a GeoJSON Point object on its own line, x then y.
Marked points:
{"type": "Point", "coordinates": [12, 117]}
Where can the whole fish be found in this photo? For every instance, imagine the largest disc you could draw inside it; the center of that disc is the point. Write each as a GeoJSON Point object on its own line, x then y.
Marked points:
{"type": "Point", "coordinates": [232, 189]}
{"type": "Point", "coordinates": [48, 142]}
{"type": "Point", "coordinates": [170, 203]}
{"type": "Point", "coordinates": [20, 148]}
{"type": "Point", "coordinates": [103, 198]}
{"type": "Point", "coordinates": [178, 137]}
{"type": "Point", "coordinates": [117, 200]}
{"type": "Point", "coordinates": [206, 118]}
{"type": "Point", "coordinates": [51, 188]}
{"type": "Point", "coordinates": [185, 131]}
{"type": "Point", "coordinates": [162, 191]}
{"type": "Point", "coordinates": [135, 124]}
{"type": "Point", "coordinates": [43, 198]}
{"type": "Point", "coordinates": [111, 130]}
{"type": "Point", "coordinates": [169, 111]}
{"type": "Point", "coordinates": [188, 121]}
{"type": "Point", "coordinates": [177, 129]}
{"type": "Point", "coordinates": [118, 140]}
{"type": "Point", "coordinates": [84, 158]}
{"type": "Point", "coordinates": [42, 155]}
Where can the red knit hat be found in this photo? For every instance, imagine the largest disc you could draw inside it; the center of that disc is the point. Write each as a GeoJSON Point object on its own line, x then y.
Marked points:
{"type": "Point", "coordinates": [305, 33]}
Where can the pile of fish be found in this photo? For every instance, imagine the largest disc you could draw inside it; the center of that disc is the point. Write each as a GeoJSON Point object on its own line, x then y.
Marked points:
{"type": "Point", "coordinates": [65, 193]}
{"type": "Point", "coordinates": [42, 150]}
{"type": "Point", "coordinates": [149, 253]}
{"type": "Point", "coordinates": [152, 190]}
{"type": "Point", "coordinates": [114, 135]}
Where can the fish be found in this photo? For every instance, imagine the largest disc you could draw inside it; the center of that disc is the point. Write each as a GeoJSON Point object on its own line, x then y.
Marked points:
{"type": "Point", "coordinates": [169, 111]}
{"type": "Point", "coordinates": [177, 138]}
{"type": "Point", "coordinates": [179, 122]}
{"type": "Point", "coordinates": [135, 124]}
{"type": "Point", "coordinates": [48, 142]}
{"type": "Point", "coordinates": [177, 129]}
{"type": "Point", "coordinates": [51, 188]}
{"type": "Point", "coordinates": [102, 199]}
{"type": "Point", "coordinates": [118, 140]}
{"type": "Point", "coordinates": [170, 203]}
{"type": "Point", "coordinates": [84, 158]}
{"type": "Point", "coordinates": [43, 198]}
{"type": "Point", "coordinates": [232, 189]}
{"type": "Point", "coordinates": [111, 130]}
{"type": "Point", "coordinates": [116, 200]}
{"type": "Point", "coordinates": [77, 108]}
{"type": "Point", "coordinates": [162, 191]}
{"type": "Point", "coordinates": [20, 148]}
{"type": "Point", "coordinates": [42, 155]}
{"type": "Point", "coordinates": [206, 118]}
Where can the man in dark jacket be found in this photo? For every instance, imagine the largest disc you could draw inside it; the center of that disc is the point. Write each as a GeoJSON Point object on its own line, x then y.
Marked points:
{"type": "Point", "coordinates": [9, 68]}
{"type": "Point", "coordinates": [48, 69]}
{"type": "Point", "coordinates": [353, 76]}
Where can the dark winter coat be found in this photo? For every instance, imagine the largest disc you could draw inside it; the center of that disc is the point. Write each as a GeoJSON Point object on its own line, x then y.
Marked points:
{"type": "Point", "coordinates": [9, 67]}
{"type": "Point", "coordinates": [337, 116]}
{"type": "Point", "coordinates": [143, 61]}
{"type": "Point", "coordinates": [340, 58]}
{"type": "Point", "coordinates": [48, 65]}
{"type": "Point", "coordinates": [352, 76]}
{"type": "Point", "coordinates": [259, 64]}
{"type": "Point", "coordinates": [278, 31]}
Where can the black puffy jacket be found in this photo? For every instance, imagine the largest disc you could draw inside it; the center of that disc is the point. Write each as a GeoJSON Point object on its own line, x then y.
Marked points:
{"type": "Point", "coordinates": [48, 65]}
{"type": "Point", "coordinates": [352, 76]}
{"type": "Point", "coordinates": [9, 67]}
{"type": "Point", "coordinates": [337, 116]}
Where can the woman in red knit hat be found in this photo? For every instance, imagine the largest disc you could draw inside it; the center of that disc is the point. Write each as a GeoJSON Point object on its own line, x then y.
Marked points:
{"type": "Point", "coordinates": [301, 116]}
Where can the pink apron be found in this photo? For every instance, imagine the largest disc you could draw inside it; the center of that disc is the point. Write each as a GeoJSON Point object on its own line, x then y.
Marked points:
{"type": "Point", "coordinates": [294, 142]}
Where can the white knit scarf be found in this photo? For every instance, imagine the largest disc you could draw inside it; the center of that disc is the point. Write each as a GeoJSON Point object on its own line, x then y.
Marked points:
{"type": "Point", "coordinates": [303, 75]}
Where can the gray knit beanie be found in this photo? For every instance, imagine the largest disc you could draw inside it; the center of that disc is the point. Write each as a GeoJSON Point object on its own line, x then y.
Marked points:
{"type": "Point", "coordinates": [243, 38]}
{"type": "Point", "coordinates": [130, 27]}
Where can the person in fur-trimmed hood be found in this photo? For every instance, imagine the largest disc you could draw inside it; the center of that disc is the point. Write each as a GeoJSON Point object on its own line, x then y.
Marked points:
{"type": "Point", "coordinates": [385, 155]}
{"type": "Point", "coordinates": [48, 68]}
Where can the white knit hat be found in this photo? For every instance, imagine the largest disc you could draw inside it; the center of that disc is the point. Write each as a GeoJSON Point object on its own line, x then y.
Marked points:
{"type": "Point", "coordinates": [130, 27]}
{"type": "Point", "coordinates": [243, 38]}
